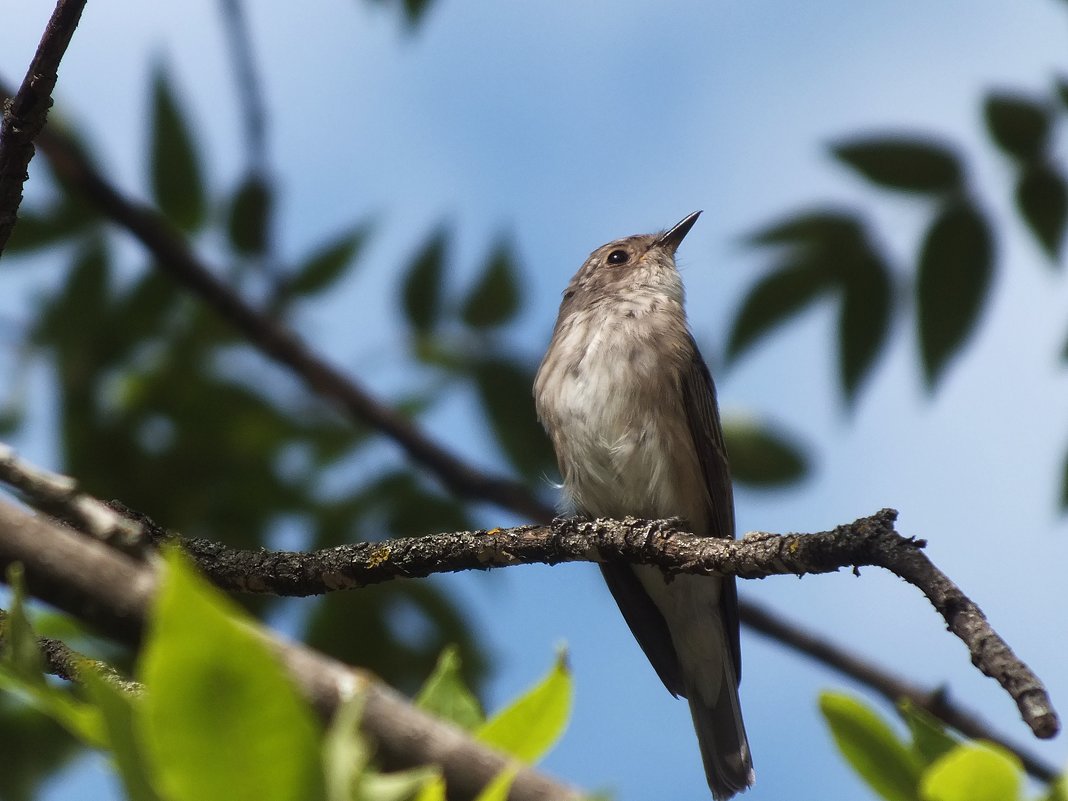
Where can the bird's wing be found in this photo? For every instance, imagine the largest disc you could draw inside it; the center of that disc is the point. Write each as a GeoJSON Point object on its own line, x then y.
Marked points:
{"type": "Point", "coordinates": [702, 413]}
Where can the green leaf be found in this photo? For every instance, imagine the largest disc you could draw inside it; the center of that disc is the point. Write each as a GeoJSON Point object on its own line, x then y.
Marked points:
{"type": "Point", "coordinates": [1042, 198]}
{"type": "Point", "coordinates": [1018, 125]}
{"type": "Point", "coordinates": [494, 300]}
{"type": "Point", "coordinates": [118, 712]}
{"type": "Point", "coordinates": [973, 772]}
{"type": "Point", "coordinates": [250, 215]}
{"type": "Point", "coordinates": [498, 788]}
{"type": "Point", "coordinates": [447, 696]}
{"type": "Point", "coordinates": [871, 747]}
{"type": "Point", "coordinates": [955, 269]}
{"type": "Point", "coordinates": [20, 650]}
{"type": "Point", "coordinates": [762, 456]}
{"type": "Point", "coordinates": [929, 738]}
{"type": "Point", "coordinates": [34, 230]}
{"type": "Point", "coordinates": [176, 176]}
{"type": "Point", "coordinates": [822, 228]}
{"type": "Point", "coordinates": [423, 284]}
{"type": "Point", "coordinates": [911, 164]}
{"type": "Point", "coordinates": [1057, 790]}
{"type": "Point", "coordinates": [221, 718]}
{"type": "Point", "coordinates": [504, 386]}
{"type": "Point", "coordinates": [529, 727]}
{"type": "Point", "coordinates": [328, 263]}
{"type": "Point", "coordinates": [776, 298]}
{"type": "Point", "coordinates": [863, 320]}
{"type": "Point", "coordinates": [344, 753]}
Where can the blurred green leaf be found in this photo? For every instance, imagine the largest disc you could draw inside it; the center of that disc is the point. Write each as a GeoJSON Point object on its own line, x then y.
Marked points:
{"type": "Point", "coordinates": [494, 300]}
{"type": "Point", "coordinates": [344, 752]}
{"type": "Point", "coordinates": [974, 772]}
{"type": "Point", "coordinates": [117, 711]}
{"type": "Point", "coordinates": [1042, 198]}
{"type": "Point", "coordinates": [531, 725]}
{"type": "Point", "coordinates": [871, 747]}
{"type": "Point", "coordinates": [912, 164]}
{"type": "Point", "coordinates": [214, 688]}
{"type": "Point", "coordinates": [863, 320]}
{"type": "Point", "coordinates": [929, 738]}
{"type": "Point", "coordinates": [34, 746]}
{"type": "Point", "coordinates": [36, 229]}
{"type": "Point", "coordinates": [955, 269]}
{"type": "Point", "coordinates": [1018, 125]}
{"type": "Point", "coordinates": [20, 652]}
{"type": "Point", "coordinates": [1060, 85]}
{"type": "Point", "coordinates": [504, 386]}
{"type": "Point", "coordinates": [446, 695]}
{"type": "Point", "coordinates": [415, 9]}
{"type": "Point", "coordinates": [424, 283]}
{"type": "Point", "coordinates": [250, 214]}
{"type": "Point", "coordinates": [499, 786]}
{"type": "Point", "coordinates": [818, 228]}
{"type": "Point", "coordinates": [776, 298]}
{"type": "Point", "coordinates": [176, 176]}
{"type": "Point", "coordinates": [329, 262]}
{"type": "Point", "coordinates": [762, 456]}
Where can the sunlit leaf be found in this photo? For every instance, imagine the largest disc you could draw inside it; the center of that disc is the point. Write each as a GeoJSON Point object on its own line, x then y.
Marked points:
{"type": "Point", "coordinates": [955, 269]}
{"type": "Point", "coordinates": [529, 727]}
{"type": "Point", "coordinates": [912, 164]}
{"type": "Point", "coordinates": [176, 176]}
{"type": "Point", "coordinates": [221, 718]}
{"type": "Point", "coordinates": [761, 455]}
{"type": "Point", "coordinates": [423, 284]}
{"type": "Point", "coordinates": [447, 696]}
{"type": "Point", "coordinates": [929, 738]}
{"type": "Point", "coordinates": [871, 747]}
{"type": "Point", "coordinates": [974, 772]}
{"type": "Point", "coordinates": [494, 300]}
{"type": "Point", "coordinates": [863, 320]}
{"type": "Point", "coordinates": [126, 749]}
{"type": "Point", "coordinates": [1019, 126]}
{"type": "Point", "coordinates": [250, 214]}
{"type": "Point", "coordinates": [1042, 198]}
{"type": "Point", "coordinates": [328, 263]}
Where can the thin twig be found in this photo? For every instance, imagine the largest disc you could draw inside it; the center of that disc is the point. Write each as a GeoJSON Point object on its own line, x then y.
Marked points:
{"type": "Point", "coordinates": [113, 592]}
{"type": "Point", "coordinates": [893, 688]}
{"type": "Point", "coordinates": [59, 496]}
{"type": "Point", "coordinates": [25, 113]}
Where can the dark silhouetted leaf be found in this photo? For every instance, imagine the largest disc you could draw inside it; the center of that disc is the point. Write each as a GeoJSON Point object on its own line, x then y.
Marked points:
{"type": "Point", "coordinates": [329, 263]}
{"type": "Point", "coordinates": [908, 163]}
{"type": "Point", "coordinates": [822, 228]}
{"type": "Point", "coordinates": [505, 389]}
{"type": "Point", "coordinates": [775, 299]}
{"type": "Point", "coordinates": [863, 320]}
{"type": "Point", "coordinates": [35, 230]}
{"type": "Point", "coordinates": [1061, 86]}
{"type": "Point", "coordinates": [250, 213]}
{"type": "Point", "coordinates": [1018, 125]}
{"type": "Point", "coordinates": [177, 180]}
{"type": "Point", "coordinates": [494, 300]}
{"type": "Point", "coordinates": [955, 268]}
{"type": "Point", "coordinates": [1042, 199]}
{"type": "Point", "coordinates": [763, 456]}
{"type": "Point", "coordinates": [423, 283]}
{"type": "Point", "coordinates": [929, 738]}
{"type": "Point", "coordinates": [415, 9]}
{"type": "Point", "coordinates": [1064, 486]}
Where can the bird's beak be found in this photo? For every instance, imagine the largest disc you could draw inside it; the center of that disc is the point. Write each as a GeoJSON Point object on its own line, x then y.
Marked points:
{"type": "Point", "coordinates": [672, 238]}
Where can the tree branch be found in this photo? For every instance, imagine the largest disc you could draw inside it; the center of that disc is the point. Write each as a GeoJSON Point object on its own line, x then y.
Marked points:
{"type": "Point", "coordinates": [25, 113]}
{"type": "Point", "coordinates": [114, 592]}
{"type": "Point", "coordinates": [868, 541]}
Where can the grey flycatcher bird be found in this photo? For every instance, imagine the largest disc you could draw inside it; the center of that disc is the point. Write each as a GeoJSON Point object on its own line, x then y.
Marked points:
{"type": "Point", "coordinates": [631, 410]}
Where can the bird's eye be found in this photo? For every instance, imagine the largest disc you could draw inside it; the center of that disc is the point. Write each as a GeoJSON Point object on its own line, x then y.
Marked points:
{"type": "Point", "coordinates": [618, 257]}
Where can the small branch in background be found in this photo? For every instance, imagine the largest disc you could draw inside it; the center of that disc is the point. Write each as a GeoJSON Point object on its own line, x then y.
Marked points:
{"type": "Point", "coordinates": [112, 592]}
{"type": "Point", "coordinates": [26, 112]}
{"type": "Point", "coordinates": [63, 661]}
{"type": "Point", "coordinates": [59, 496]}
{"type": "Point", "coordinates": [892, 687]}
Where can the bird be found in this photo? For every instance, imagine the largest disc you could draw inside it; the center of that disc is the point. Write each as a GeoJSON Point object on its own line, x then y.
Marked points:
{"type": "Point", "coordinates": [630, 407]}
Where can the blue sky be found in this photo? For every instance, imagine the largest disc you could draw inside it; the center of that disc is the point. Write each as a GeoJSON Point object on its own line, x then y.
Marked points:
{"type": "Point", "coordinates": [569, 124]}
